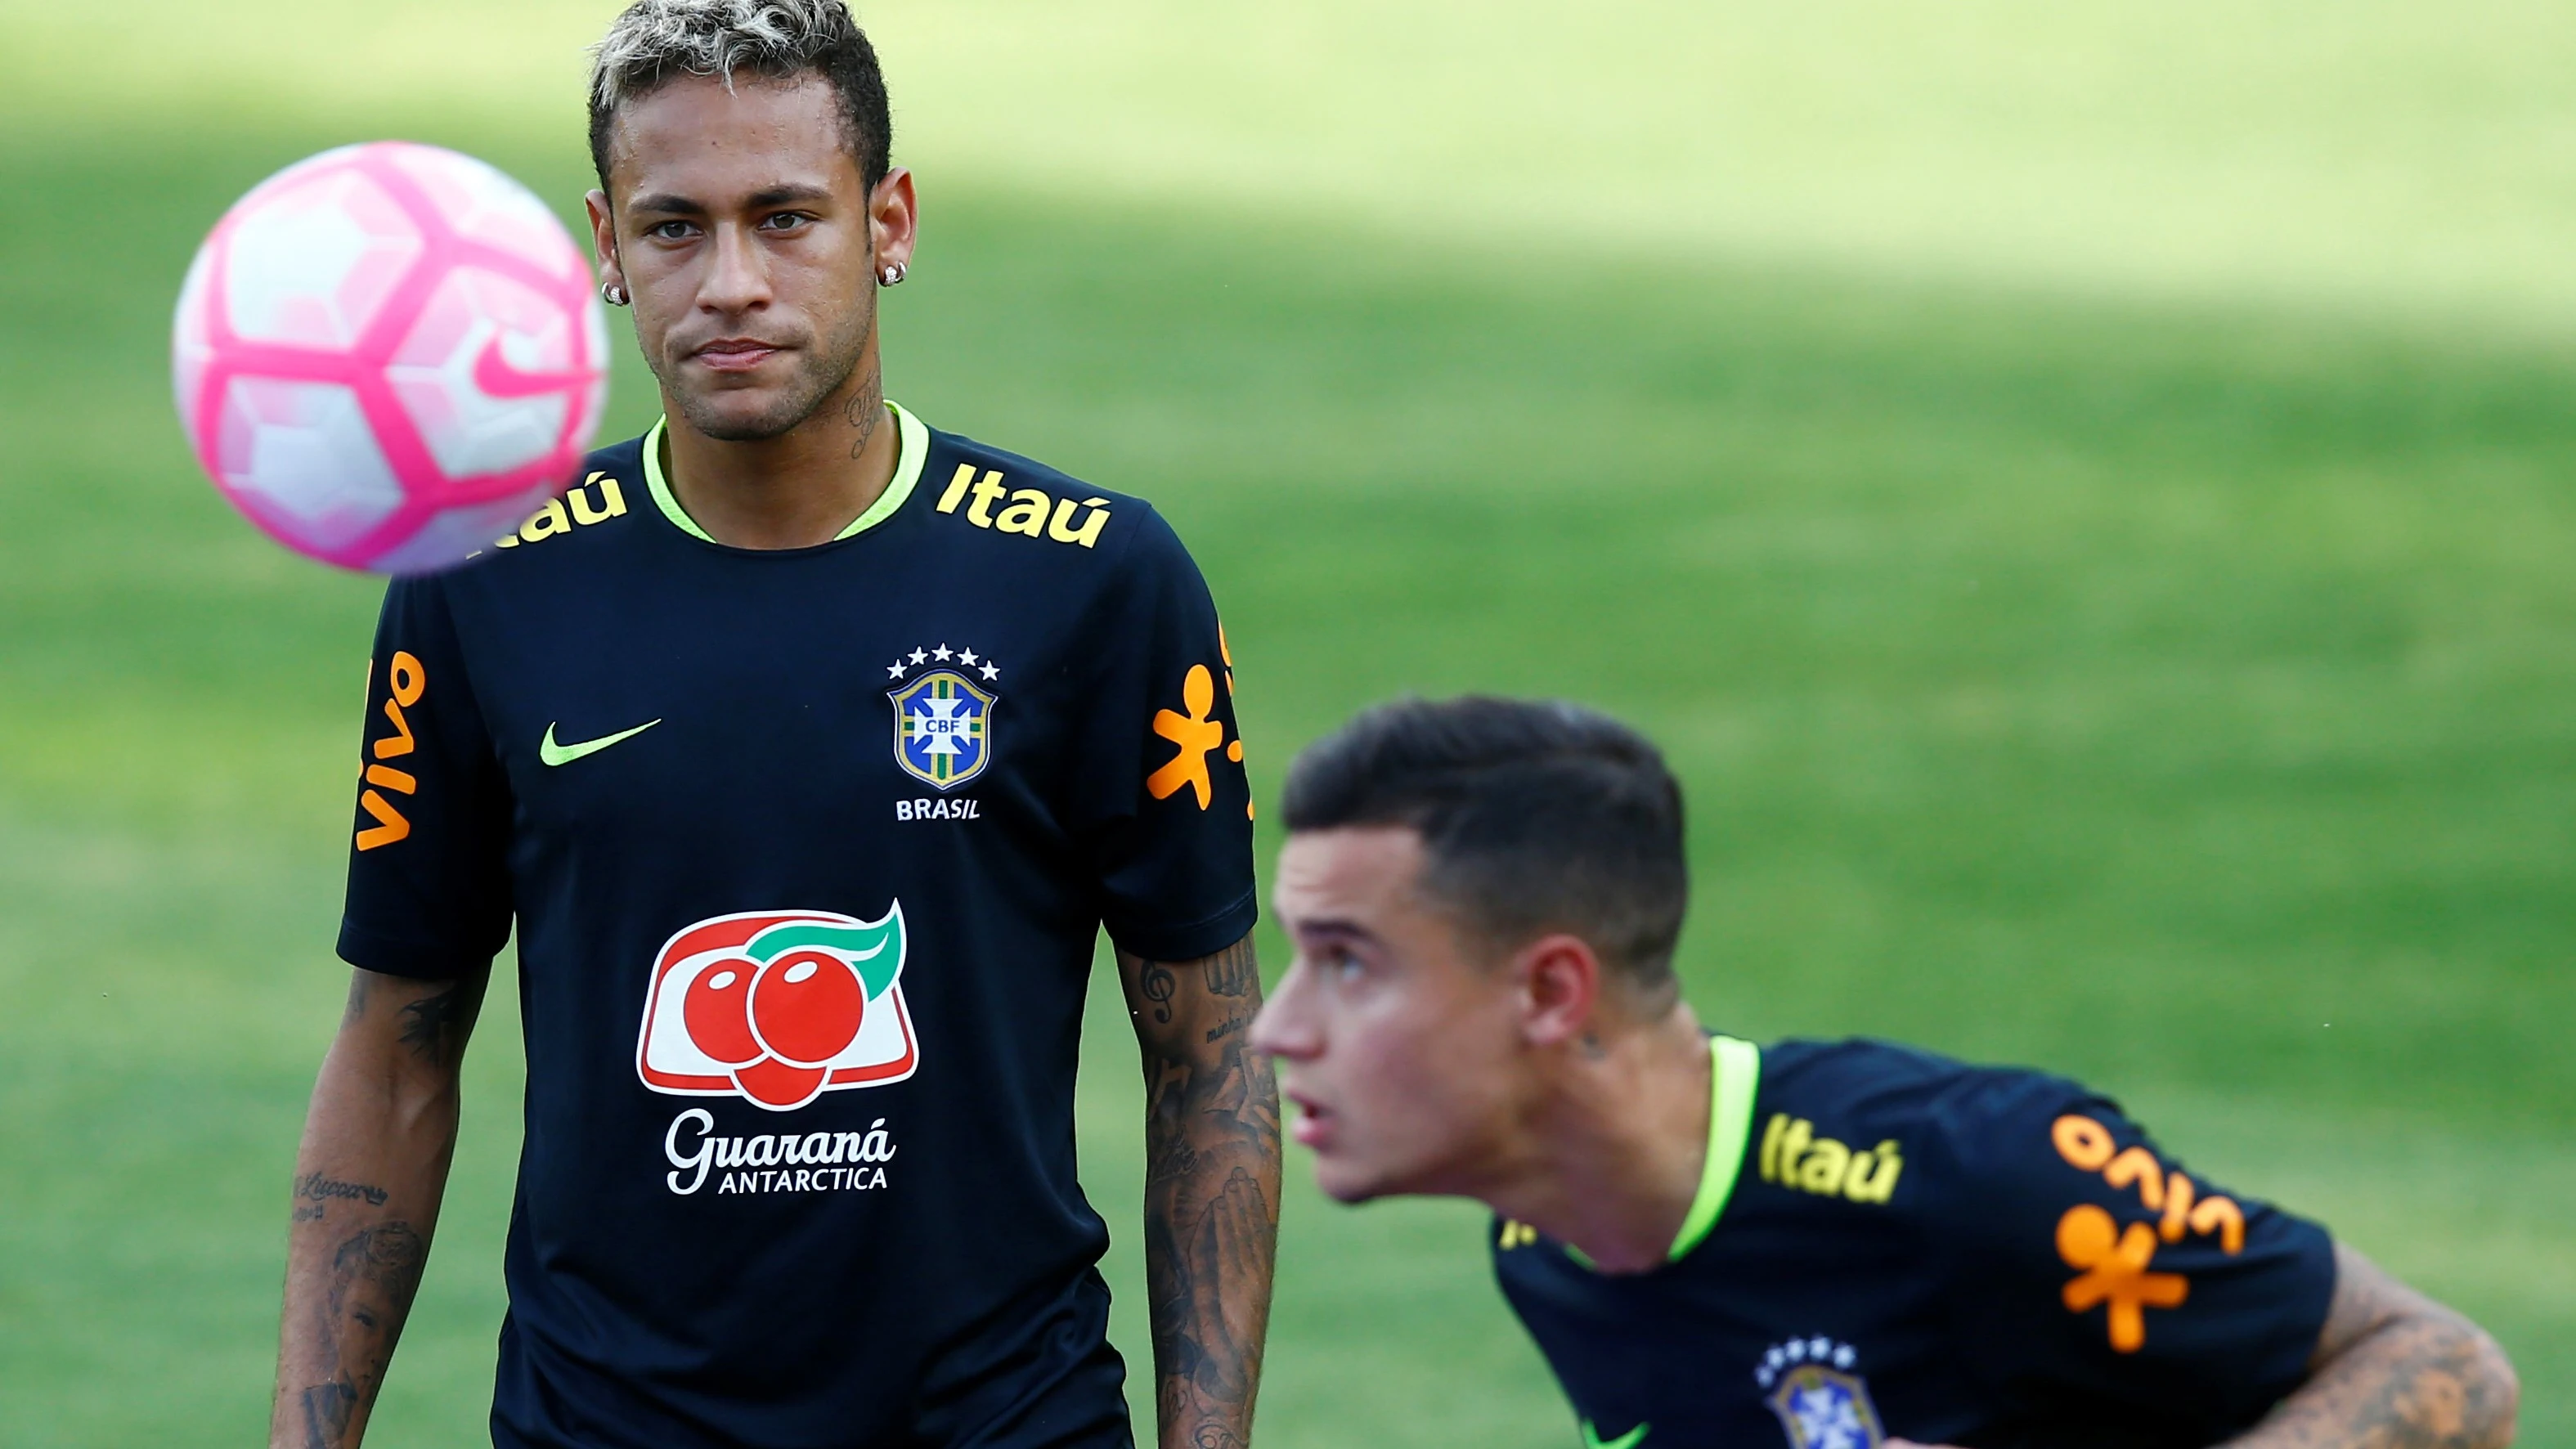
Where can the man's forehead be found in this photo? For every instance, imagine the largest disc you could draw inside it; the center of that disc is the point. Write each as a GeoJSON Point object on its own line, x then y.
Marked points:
{"type": "Point", "coordinates": [1358, 870]}
{"type": "Point", "coordinates": [761, 134]}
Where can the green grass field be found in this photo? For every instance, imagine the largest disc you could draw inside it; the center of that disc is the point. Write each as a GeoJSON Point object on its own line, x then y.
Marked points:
{"type": "Point", "coordinates": [2121, 649]}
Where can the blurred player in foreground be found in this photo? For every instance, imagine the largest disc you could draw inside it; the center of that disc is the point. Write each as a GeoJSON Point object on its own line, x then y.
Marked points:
{"type": "Point", "coordinates": [808, 749]}
{"type": "Point", "coordinates": [1843, 1243]}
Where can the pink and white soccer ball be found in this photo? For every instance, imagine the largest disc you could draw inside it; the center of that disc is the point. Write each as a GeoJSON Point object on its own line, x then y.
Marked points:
{"type": "Point", "coordinates": [388, 355]}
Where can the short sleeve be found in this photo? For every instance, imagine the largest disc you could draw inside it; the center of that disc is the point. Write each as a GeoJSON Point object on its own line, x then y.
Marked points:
{"type": "Point", "coordinates": [429, 892]}
{"type": "Point", "coordinates": [2092, 1270]}
{"type": "Point", "coordinates": [1161, 803]}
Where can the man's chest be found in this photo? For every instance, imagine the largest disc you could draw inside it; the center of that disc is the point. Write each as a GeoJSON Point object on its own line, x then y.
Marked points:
{"type": "Point", "coordinates": [836, 709]}
{"type": "Point", "coordinates": [1838, 1351]}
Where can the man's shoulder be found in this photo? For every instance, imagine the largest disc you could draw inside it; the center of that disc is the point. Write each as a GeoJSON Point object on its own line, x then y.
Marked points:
{"type": "Point", "coordinates": [971, 487]}
{"type": "Point", "coordinates": [1870, 1075]}
{"type": "Point", "coordinates": [601, 513]}
{"type": "Point", "coordinates": [1879, 1122]}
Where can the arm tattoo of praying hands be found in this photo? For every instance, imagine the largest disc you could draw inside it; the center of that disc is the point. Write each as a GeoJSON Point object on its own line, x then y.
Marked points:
{"type": "Point", "coordinates": [1211, 1192]}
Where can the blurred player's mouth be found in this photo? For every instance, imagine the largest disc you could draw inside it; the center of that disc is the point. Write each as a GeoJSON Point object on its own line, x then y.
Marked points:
{"type": "Point", "coordinates": [1314, 1124]}
{"type": "Point", "coordinates": [734, 354]}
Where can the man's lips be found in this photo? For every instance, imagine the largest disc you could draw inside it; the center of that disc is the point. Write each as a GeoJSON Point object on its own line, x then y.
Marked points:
{"type": "Point", "coordinates": [1314, 1124]}
{"type": "Point", "coordinates": [734, 354]}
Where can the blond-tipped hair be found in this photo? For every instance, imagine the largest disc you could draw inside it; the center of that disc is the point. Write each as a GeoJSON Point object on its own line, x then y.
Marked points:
{"type": "Point", "coordinates": [654, 42]}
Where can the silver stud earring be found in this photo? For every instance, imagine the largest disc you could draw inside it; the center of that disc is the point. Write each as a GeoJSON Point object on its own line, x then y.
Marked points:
{"type": "Point", "coordinates": [892, 276]}
{"type": "Point", "coordinates": [613, 294]}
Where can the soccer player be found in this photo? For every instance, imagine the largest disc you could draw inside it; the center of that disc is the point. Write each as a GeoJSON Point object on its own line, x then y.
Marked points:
{"type": "Point", "coordinates": [1719, 1244]}
{"type": "Point", "coordinates": [808, 748]}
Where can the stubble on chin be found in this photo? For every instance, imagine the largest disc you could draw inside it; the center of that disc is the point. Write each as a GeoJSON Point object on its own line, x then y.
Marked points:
{"type": "Point", "coordinates": [820, 373]}
{"type": "Point", "coordinates": [715, 413]}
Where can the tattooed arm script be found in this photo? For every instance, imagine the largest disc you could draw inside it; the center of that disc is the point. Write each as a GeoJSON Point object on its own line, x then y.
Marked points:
{"type": "Point", "coordinates": [1211, 1190]}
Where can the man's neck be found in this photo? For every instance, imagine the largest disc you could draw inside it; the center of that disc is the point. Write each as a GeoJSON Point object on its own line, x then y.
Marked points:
{"type": "Point", "coordinates": [1616, 1153]}
{"type": "Point", "coordinates": [795, 490]}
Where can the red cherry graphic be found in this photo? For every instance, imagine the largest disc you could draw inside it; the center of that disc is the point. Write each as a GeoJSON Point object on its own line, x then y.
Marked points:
{"type": "Point", "coordinates": [806, 1006]}
{"type": "Point", "coordinates": [777, 1085]}
{"type": "Point", "coordinates": [717, 1011]}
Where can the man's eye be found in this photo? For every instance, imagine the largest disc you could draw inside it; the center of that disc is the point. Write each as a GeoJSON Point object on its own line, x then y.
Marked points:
{"type": "Point", "coordinates": [670, 231]}
{"type": "Point", "coordinates": [1342, 965]}
{"type": "Point", "coordinates": [786, 221]}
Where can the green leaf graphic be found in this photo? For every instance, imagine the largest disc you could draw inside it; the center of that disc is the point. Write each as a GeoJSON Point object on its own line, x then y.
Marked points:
{"type": "Point", "coordinates": [874, 947]}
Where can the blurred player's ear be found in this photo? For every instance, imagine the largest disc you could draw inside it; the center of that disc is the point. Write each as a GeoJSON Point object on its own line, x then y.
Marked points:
{"type": "Point", "coordinates": [603, 242]}
{"type": "Point", "coordinates": [1559, 979]}
{"type": "Point", "coordinates": [894, 218]}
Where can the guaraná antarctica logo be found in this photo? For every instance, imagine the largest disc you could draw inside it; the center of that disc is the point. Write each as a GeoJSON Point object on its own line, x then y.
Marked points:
{"type": "Point", "coordinates": [778, 1007]}
{"type": "Point", "coordinates": [943, 720]}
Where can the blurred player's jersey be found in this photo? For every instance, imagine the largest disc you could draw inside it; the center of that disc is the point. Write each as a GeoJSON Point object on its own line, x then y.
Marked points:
{"type": "Point", "coordinates": [1891, 1244]}
{"type": "Point", "coordinates": [806, 851]}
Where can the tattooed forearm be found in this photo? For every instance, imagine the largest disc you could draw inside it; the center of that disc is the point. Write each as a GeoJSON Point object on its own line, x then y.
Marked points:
{"type": "Point", "coordinates": [365, 1195]}
{"type": "Point", "coordinates": [1232, 971]}
{"type": "Point", "coordinates": [2394, 1370]}
{"type": "Point", "coordinates": [1211, 1195]}
{"type": "Point", "coordinates": [434, 1026]}
{"type": "Point", "coordinates": [374, 1274]}
{"type": "Point", "coordinates": [1157, 987]}
{"type": "Point", "coordinates": [312, 1190]}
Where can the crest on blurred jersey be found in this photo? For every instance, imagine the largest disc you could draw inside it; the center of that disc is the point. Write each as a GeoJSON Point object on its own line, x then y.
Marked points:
{"type": "Point", "coordinates": [1823, 1408]}
{"type": "Point", "coordinates": [1822, 1404]}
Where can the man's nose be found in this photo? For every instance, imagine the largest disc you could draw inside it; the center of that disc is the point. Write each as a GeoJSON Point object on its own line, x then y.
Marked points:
{"type": "Point", "coordinates": [738, 279]}
{"type": "Point", "coordinates": [1283, 1028]}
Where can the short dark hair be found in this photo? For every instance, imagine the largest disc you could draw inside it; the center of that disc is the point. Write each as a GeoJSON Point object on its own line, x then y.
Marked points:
{"type": "Point", "coordinates": [654, 42]}
{"type": "Point", "coordinates": [1536, 816]}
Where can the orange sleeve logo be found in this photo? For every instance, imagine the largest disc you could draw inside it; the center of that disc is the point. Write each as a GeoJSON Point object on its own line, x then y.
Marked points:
{"type": "Point", "coordinates": [2114, 1265]}
{"type": "Point", "coordinates": [406, 682]}
{"type": "Point", "coordinates": [2113, 1261]}
{"type": "Point", "coordinates": [1194, 736]}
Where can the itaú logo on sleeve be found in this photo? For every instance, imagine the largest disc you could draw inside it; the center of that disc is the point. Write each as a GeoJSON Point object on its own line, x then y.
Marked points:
{"type": "Point", "coordinates": [779, 1007]}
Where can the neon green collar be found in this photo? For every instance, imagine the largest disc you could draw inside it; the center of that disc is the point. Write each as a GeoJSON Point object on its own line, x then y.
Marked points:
{"type": "Point", "coordinates": [912, 447]}
{"type": "Point", "coordinates": [1734, 1073]}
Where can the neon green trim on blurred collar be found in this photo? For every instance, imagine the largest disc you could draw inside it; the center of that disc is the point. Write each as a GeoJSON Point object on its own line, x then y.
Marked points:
{"type": "Point", "coordinates": [1734, 1073]}
{"type": "Point", "coordinates": [912, 447]}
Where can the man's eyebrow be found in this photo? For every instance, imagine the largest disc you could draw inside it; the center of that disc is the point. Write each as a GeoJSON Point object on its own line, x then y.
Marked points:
{"type": "Point", "coordinates": [664, 201]}
{"type": "Point", "coordinates": [784, 193]}
{"type": "Point", "coordinates": [1333, 930]}
{"type": "Point", "coordinates": [788, 193]}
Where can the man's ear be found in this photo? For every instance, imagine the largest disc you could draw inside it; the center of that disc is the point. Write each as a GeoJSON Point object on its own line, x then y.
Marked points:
{"type": "Point", "coordinates": [1560, 984]}
{"type": "Point", "coordinates": [894, 219]}
{"type": "Point", "coordinates": [603, 241]}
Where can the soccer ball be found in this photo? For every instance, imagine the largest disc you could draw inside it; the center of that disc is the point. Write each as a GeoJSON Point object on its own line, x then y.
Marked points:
{"type": "Point", "coordinates": [388, 355]}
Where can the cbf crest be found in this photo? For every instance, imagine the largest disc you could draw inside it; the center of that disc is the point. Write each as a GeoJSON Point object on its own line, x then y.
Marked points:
{"type": "Point", "coordinates": [1821, 1404]}
{"type": "Point", "coordinates": [943, 719]}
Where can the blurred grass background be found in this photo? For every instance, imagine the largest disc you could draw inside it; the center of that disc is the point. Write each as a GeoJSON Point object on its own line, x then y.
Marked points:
{"type": "Point", "coordinates": [2083, 494]}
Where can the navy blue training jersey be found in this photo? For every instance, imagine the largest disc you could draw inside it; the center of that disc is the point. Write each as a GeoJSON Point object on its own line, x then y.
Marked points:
{"type": "Point", "coordinates": [1892, 1244]}
{"type": "Point", "coordinates": [806, 851]}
